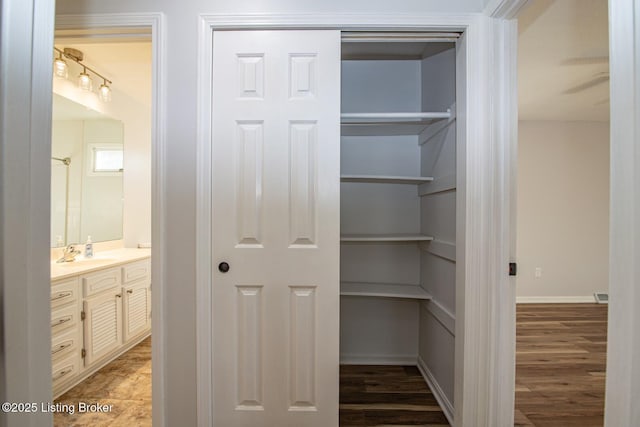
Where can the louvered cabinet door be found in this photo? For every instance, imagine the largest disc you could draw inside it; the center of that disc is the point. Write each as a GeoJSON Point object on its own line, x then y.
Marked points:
{"type": "Point", "coordinates": [135, 303]}
{"type": "Point", "coordinates": [102, 325]}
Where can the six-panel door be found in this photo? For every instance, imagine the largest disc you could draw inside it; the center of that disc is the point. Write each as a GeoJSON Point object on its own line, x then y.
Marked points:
{"type": "Point", "coordinates": [276, 159]}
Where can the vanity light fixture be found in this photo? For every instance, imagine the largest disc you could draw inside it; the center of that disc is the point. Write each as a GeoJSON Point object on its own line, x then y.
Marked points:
{"type": "Point", "coordinates": [60, 68]}
{"type": "Point", "coordinates": [85, 82]}
{"type": "Point", "coordinates": [104, 92]}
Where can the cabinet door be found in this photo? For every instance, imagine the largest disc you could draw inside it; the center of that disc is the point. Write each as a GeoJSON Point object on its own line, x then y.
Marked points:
{"type": "Point", "coordinates": [136, 301]}
{"type": "Point", "coordinates": [276, 135]}
{"type": "Point", "coordinates": [102, 325]}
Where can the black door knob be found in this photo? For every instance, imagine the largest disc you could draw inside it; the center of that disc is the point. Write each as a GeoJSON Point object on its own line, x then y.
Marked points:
{"type": "Point", "coordinates": [223, 267]}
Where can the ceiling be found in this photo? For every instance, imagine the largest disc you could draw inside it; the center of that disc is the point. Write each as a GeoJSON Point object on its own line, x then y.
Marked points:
{"type": "Point", "coordinates": [563, 61]}
{"type": "Point", "coordinates": [126, 64]}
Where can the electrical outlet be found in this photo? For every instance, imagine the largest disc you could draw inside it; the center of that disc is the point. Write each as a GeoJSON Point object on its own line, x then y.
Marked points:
{"type": "Point", "coordinates": [538, 272]}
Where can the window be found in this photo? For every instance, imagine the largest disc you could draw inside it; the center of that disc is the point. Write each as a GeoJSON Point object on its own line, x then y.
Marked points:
{"type": "Point", "coordinates": [105, 159]}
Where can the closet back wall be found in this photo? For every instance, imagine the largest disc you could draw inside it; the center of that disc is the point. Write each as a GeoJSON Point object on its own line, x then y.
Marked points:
{"type": "Point", "coordinates": [375, 330]}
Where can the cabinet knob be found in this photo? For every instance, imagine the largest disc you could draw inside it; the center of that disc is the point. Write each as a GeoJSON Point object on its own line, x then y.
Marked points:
{"type": "Point", "coordinates": [223, 267]}
{"type": "Point", "coordinates": [129, 291]}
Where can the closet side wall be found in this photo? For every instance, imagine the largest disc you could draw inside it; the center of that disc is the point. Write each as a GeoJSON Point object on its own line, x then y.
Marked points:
{"type": "Point", "coordinates": [438, 219]}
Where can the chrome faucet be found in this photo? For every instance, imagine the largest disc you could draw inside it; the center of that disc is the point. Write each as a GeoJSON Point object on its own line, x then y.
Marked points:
{"type": "Point", "coordinates": [69, 254]}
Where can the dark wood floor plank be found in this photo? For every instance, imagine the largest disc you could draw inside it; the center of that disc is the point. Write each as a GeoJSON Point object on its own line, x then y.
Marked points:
{"type": "Point", "coordinates": [560, 376]}
{"type": "Point", "coordinates": [424, 399]}
{"type": "Point", "coordinates": [386, 396]}
{"type": "Point", "coordinates": [407, 418]}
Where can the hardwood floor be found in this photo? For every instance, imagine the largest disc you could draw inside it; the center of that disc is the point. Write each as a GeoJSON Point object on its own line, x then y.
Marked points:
{"type": "Point", "coordinates": [374, 395]}
{"type": "Point", "coordinates": [560, 364]}
{"type": "Point", "coordinates": [125, 384]}
{"type": "Point", "coordinates": [560, 378]}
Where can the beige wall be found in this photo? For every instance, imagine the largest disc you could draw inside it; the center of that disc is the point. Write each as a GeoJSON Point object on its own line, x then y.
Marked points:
{"type": "Point", "coordinates": [563, 209]}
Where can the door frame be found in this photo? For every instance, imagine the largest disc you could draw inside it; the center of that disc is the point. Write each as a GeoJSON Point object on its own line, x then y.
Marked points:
{"type": "Point", "coordinates": [623, 343]}
{"type": "Point", "coordinates": [26, 47]}
{"type": "Point", "coordinates": [485, 337]}
{"type": "Point", "coordinates": [119, 23]}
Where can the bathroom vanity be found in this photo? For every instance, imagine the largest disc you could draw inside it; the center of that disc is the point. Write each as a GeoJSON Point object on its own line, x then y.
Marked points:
{"type": "Point", "coordinates": [100, 308]}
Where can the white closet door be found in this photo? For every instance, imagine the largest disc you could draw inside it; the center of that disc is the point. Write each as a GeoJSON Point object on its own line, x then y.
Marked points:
{"type": "Point", "coordinates": [276, 189]}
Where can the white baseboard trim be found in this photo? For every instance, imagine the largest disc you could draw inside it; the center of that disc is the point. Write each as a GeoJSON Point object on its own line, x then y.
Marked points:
{"type": "Point", "coordinates": [556, 300]}
{"type": "Point", "coordinates": [441, 398]}
{"type": "Point", "coordinates": [377, 359]}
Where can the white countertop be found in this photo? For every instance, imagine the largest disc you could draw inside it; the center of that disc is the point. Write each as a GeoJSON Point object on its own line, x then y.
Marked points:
{"type": "Point", "coordinates": [100, 261]}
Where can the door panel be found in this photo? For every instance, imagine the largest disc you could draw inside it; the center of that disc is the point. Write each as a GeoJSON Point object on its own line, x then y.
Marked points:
{"type": "Point", "coordinates": [276, 135]}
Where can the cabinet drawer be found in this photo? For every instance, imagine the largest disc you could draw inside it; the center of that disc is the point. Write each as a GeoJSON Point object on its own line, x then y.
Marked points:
{"type": "Point", "coordinates": [64, 292]}
{"type": "Point", "coordinates": [66, 367]}
{"type": "Point", "coordinates": [136, 271]}
{"type": "Point", "coordinates": [64, 318]}
{"type": "Point", "coordinates": [65, 343]}
{"type": "Point", "coordinates": [101, 281]}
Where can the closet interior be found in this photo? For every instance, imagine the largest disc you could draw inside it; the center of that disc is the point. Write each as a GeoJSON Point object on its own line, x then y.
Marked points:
{"type": "Point", "coordinates": [398, 203]}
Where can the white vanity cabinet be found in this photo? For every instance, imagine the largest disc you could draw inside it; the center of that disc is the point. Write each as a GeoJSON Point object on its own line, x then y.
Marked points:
{"type": "Point", "coordinates": [96, 316]}
{"type": "Point", "coordinates": [136, 299]}
{"type": "Point", "coordinates": [66, 331]}
{"type": "Point", "coordinates": [102, 312]}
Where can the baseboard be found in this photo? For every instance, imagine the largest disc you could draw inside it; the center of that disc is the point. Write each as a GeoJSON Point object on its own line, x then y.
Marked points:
{"type": "Point", "coordinates": [438, 393]}
{"type": "Point", "coordinates": [441, 398]}
{"type": "Point", "coordinates": [377, 359]}
{"type": "Point", "coordinates": [555, 300]}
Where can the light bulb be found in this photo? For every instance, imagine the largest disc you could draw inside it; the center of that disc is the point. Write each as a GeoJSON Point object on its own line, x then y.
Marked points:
{"type": "Point", "coordinates": [60, 68]}
{"type": "Point", "coordinates": [84, 81]}
{"type": "Point", "coordinates": [104, 93]}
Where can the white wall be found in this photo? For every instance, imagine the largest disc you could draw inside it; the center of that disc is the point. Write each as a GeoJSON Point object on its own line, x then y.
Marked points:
{"type": "Point", "coordinates": [181, 24]}
{"type": "Point", "coordinates": [563, 209]}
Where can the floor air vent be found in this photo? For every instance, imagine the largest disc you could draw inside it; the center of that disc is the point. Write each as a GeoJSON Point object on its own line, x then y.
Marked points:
{"type": "Point", "coordinates": [601, 297]}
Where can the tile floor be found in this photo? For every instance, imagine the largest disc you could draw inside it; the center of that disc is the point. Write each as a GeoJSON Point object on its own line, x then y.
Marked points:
{"type": "Point", "coordinates": [124, 383]}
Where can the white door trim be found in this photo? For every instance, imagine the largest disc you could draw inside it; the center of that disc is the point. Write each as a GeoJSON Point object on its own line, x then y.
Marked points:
{"type": "Point", "coordinates": [623, 344]}
{"type": "Point", "coordinates": [623, 348]}
{"type": "Point", "coordinates": [481, 275]}
{"type": "Point", "coordinates": [505, 9]}
{"type": "Point", "coordinates": [26, 41]}
{"type": "Point", "coordinates": [158, 186]}
{"type": "Point", "coordinates": [505, 132]}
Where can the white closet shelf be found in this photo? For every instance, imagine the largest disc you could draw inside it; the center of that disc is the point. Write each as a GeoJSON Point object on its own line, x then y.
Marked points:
{"type": "Point", "coordinates": [402, 237]}
{"type": "Point", "coordinates": [385, 290]}
{"type": "Point", "coordinates": [386, 179]}
{"type": "Point", "coordinates": [386, 124]}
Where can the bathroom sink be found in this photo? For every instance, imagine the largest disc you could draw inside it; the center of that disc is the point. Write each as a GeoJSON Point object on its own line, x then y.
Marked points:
{"type": "Point", "coordinates": [87, 262]}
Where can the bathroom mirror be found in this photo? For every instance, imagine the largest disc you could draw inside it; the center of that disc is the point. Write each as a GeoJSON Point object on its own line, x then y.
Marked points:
{"type": "Point", "coordinates": [86, 174]}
